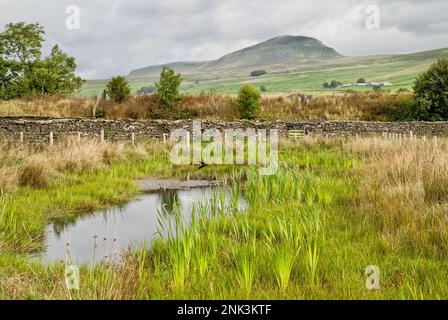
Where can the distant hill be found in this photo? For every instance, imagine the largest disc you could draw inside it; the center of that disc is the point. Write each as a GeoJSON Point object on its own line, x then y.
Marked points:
{"type": "Point", "coordinates": [181, 67]}
{"type": "Point", "coordinates": [292, 64]}
{"type": "Point", "coordinates": [279, 50]}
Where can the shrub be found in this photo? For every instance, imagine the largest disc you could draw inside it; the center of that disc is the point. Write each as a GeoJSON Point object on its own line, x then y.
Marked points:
{"type": "Point", "coordinates": [118, 89]}
{"type": "Point", "coordinates": [431, 93]}
{"type": "Point", "coordinates": [188, 113]}
{"type": "Point", "coordinates": [249, 102]}
{"type": "Point", "coordinates": [263, 89]}
{"type": "Point", "coordinates": [361, 80]}
{"type": "Point", "coordinates": [377, 89]}
{"type": "Point", "coordinates": [257, 73]}
{"type": "Point", "coordinates": [168, 87]}
{"type": "Point", "coordinates": [146, 90]}
{"type": "Point", "coordinates": [333, 85]}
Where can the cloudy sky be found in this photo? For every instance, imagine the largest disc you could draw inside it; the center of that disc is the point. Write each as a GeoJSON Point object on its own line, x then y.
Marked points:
{"type": "Point", "coordinates": [116, 36]}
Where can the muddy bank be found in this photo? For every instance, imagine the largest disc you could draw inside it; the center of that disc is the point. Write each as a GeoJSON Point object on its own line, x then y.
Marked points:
{"type": "Point", "coordinates": [152, 185]}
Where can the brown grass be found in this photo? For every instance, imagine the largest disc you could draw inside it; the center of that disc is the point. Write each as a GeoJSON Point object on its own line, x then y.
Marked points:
{"type": "Point", "coordinates": [37, 167]}
{"type": "Point", "coordinates": [405, 192]}
{"type": "Point", "coordinates": [350, 106]}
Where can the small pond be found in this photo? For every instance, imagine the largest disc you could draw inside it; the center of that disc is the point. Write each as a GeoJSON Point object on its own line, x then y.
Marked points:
{"type": "Point", "coordinates": [105, 235]}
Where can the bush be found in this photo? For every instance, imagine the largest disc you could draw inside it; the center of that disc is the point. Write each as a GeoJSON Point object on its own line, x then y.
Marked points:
{"type": "Point", "coordinates": [168, 87]}
{"type": "Point", "coordinates": [188, 113]}
{"type": "Point", "coordinates": [263, 89]}
{"type": "Point", "coordinates": [431, 93]}
{"type": "Point", "coordinates": [361, 80]}
{"type": "Point", "coordinates": [146, 90]}
{"type": "Point", "coordinates": [257, 73]}
{"type": "Point", "coordinates": [118, 89]}
{"type": "Point", "coordinates": [333, 85]}
{"type": "Point", "coordinates": [249, 102]}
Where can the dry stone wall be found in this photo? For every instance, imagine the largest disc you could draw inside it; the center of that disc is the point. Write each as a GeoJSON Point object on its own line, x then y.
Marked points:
{"type": "Point", "coordinates": [38, 128]}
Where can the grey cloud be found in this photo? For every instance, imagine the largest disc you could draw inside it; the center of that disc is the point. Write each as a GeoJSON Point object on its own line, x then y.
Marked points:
{"type": "Point", "coordinates": [119, 35]}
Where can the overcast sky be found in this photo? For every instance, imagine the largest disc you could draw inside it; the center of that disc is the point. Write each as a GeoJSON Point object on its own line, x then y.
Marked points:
{"type": "Point", "coordinates": [116, 36]}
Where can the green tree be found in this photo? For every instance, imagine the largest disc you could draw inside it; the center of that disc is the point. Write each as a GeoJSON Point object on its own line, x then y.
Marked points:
{"type": "Point", "coordinates": [249, 101]}
{"type": "Point", "coordinates": [22, 71]}
{"type": "Point", "coordinates": [431, 93]}
{"type": "Point", "coordinates": [118, 89]}
{"type": "Point", "coordinates": [334, 84]}
{"type": "Point", "coordinates": [55, 74]}
{"type": "Point", "coordinates": [361, 80]}
{"type": "Point", "coordinates": [168, 87]}
{"type": "Point", "coordinates": [22, 42]}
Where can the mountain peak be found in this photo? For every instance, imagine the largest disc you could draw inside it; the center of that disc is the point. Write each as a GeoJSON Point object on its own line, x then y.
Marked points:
{"type": "Point", "coordinates": [282, 49]}
{"type": "Point", "coordinates": [279, 50]}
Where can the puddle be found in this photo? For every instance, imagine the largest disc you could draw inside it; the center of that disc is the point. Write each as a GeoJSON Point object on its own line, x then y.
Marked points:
{"type": "Point", "coordinates": [113, 231]}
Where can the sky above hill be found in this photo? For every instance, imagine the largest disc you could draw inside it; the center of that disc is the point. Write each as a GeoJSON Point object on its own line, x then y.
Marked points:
{"type": "Point", "coordinates": [116, 36]}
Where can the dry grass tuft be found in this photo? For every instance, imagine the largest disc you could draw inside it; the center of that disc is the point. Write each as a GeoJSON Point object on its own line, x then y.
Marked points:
{"type": "Point", "coordinates": [405, 192]}
{"type": "Point", "coordinates": [35, 172]}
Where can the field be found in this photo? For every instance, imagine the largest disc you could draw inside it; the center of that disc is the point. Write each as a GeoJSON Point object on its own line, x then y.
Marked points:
{"type": "Point", "coordinates": [335, 207]}
{"type": "Point", "coordinates": [400, 70]}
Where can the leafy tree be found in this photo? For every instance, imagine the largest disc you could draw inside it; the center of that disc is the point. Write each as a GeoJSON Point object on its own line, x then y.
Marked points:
{"type": "Point", "coordinates": [22, 42]}
{"type": "Point", "coordinates": [431, 93]}
{"type": "Point", "coordinates": [118, 89]}
{"type": "Point", "coordinates": [55, 74]}
{"type": "Point", "coordinates": [22, 71]}
{"type": "Point", "coordinates": [334, 84]}
{"type": "Point", "coordinates": [168, 87]}
{"type": "Point", "coordinates": [249, 102]}
{"type": "Point", "coordinates": [361, 80]}
{"type": "Point", "coordinates": [146, 90]}
{"type": "Point", "coordinates": [263, 89]}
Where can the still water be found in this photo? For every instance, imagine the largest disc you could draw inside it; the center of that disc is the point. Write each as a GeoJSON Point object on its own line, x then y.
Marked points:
{"type": "Point", "coordinates": [106, 234]}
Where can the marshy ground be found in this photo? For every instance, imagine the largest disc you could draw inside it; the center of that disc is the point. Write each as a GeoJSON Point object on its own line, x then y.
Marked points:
{"type": "Point", "coordinates": [335, 207]}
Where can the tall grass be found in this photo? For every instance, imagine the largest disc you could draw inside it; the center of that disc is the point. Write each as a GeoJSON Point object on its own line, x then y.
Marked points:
{"type": "Point", "coordinates": [367, 106]}
{"type": "Point", "coordinates": [335, 207]}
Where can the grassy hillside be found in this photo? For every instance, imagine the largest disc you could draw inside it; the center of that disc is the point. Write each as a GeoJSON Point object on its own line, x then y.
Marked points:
{"type": "Point", "coordinates": [291, 76]}
{"type": "Point", "coordinates": [279, 50]}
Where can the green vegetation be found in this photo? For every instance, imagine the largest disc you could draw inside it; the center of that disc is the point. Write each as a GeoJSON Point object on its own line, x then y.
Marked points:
{"type": "Point", "coordinates": [335, 207]}
{"type": "Point", "coordinates": [23, 71]}
{"type": "Point", "coordinates": [118, 89]}
{"type": "Point", "coordinates": [257, 73]}
{"type": "Point", "coordinates": [361, 80]}
{"type": "Point", "coordinates": [293, 71]}
{"type": "Point", "coordinates": [332, 85]}
{"type": "Point", "coordinates": [146, 90]}
{"type": "Point", "coordinates": [431, 93]}
{"type": "Point", "coordinates": [168, 87]}
{"type": "Point", "coordinates": [249, 102]}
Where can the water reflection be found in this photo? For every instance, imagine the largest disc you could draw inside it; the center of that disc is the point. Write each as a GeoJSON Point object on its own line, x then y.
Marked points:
{"type": "Point", "coordinates": [106, 234]}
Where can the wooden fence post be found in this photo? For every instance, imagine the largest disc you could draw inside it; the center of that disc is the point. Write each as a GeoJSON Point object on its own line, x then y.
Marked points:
{"type": "Point", "coordinates": [21, 137]}
{"type": "Point", "coordinates": [133, 139]}
{"type": "Point", "coordinates": [97, 103]}
{"type": "Point", "coordinates": [79, 136]}
{"type": "Point", "coordinates": [102, 136]}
